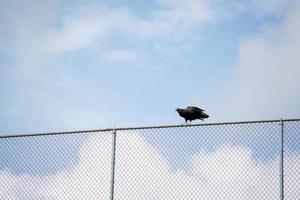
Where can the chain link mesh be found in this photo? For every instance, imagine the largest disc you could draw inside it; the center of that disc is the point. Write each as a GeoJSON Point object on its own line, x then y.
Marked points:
{"type": "Point", "coordinates": [55, 167]}
{"type": "Point", "coordinates": [199, 162]}
{"type": "Point", "coordinates": [236, 161]}
{"type": "Point", "coordinates": [292, 160]}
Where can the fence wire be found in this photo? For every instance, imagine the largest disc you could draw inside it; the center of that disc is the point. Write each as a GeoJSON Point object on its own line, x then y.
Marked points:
{"type": "Point", "coordinates": [236, 161]}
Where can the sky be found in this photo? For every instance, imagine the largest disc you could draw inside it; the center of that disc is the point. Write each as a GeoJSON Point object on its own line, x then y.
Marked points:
{"type": "Point", "coordinates": [69, 65]}
{"type": "Point", "coordinates": [74, 65]}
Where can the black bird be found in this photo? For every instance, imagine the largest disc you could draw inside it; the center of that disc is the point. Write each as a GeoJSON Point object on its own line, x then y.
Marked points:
{"type": "Point", "coordinates": [191, 113]}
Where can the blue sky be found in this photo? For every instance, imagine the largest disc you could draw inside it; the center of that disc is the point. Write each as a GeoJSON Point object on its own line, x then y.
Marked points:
{"type": "Point", "coordinates": [68, 65]}
{"type": "Point", "coordinates": [95, 64]}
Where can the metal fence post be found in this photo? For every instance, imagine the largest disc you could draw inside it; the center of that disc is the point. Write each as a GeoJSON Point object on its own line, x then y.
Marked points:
{"type": "Point", "coordinates": [113, 159]}
{"type": "Point", "coordinates": [281, 178]}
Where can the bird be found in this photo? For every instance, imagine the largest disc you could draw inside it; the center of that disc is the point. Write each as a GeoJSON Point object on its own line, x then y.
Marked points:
{"type": "Point", "coordinates": [191, 113]}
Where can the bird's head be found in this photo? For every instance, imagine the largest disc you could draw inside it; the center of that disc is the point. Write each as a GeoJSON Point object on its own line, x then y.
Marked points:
{"type": "Point", "coordinates": [178, 110]}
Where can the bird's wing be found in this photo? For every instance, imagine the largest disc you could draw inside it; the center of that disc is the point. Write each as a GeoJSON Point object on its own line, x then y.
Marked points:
{"type": "Point", "coordinates": [194, 108]}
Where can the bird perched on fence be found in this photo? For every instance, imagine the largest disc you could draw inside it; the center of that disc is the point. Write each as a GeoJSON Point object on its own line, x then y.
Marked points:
{"type": "Point", "coordinates": [191, 113]}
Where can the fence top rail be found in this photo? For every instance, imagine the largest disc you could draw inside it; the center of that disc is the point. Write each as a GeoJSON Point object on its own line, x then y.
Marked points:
{"type": "Point", "coordinates": [146, 127]}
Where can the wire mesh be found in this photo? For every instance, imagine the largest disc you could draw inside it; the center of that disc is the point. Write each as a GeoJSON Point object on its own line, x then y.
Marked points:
{"type": "Point", "coordinates": [209, 161]}
{"type": "Point", "coordinates": [200, 162]}
{"type": "Point", "coordinates": [292, 160]}
{"type": "Point", "coordinates": [55, 167]}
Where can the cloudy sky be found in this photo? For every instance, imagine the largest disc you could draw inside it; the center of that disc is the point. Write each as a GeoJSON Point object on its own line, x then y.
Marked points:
{"type": "Point", "coordinates": [68, 65]}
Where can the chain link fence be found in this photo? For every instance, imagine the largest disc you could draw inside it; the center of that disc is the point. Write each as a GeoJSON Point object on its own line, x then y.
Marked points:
{"type": "Point", "coordinates": [236, 161]}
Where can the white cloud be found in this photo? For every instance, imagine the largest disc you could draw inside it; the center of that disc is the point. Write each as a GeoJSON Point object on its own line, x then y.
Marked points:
{"type": "Point", "coordinates": [141, 173]}
{"type": "Point", "coordinates": [173, 20]}
{"type": "Point", "coordinates": [83, 26]}
{"type": "Point", "coordinates": [266, 76]}
{"type": "Point", "coordinates": [40, 33]}
{"type": "Point", "coordinates": [43, 32]}
{"type": "Point", "coordinates": [121, 55]}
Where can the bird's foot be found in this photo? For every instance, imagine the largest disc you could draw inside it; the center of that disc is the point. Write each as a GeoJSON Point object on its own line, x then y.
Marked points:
{"type": "Point", "coordinates": [186, 123]}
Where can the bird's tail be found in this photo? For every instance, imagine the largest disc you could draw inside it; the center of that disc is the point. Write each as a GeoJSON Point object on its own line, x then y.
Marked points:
{"type": "Point", "coordinates": [205, 115]}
